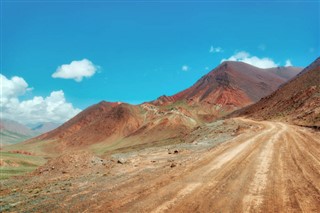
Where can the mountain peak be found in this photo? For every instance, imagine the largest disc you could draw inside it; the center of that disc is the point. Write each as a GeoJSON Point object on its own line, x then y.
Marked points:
{"type": "Point", "coordinates": [107, 103]}
{"type": "Point", "coordinates": [228, 64]}
{"type": "Point", "coordinates": [233, 84]}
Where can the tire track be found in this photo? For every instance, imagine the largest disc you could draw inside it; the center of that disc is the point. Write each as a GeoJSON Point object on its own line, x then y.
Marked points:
{"type": "Point", "coordinates": [252, 201]}
{"type": "Point", "coordinates": [214, 165]}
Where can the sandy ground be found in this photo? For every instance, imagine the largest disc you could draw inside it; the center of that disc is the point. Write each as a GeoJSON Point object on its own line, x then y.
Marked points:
{"type": "Point", "coordinates": [269, 167]}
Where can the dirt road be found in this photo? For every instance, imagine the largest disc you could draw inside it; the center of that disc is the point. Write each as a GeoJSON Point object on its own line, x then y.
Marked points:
{"type": "Point", "coordinates": [274, 169]}
{"type": "Point", "coordinates": [271, 167]}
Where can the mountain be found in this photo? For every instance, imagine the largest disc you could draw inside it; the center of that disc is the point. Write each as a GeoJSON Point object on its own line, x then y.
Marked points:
{"type": "Point", "coordinates": [285, 72]}
{"type": "Point", "coordinates": [110, 123]}
{"type": "Point", "coordinates": [45, 127]}
{"type": "Point", "coordinates": [97, 123]}
{"type": "Point", "coordinates": [230, 86]}
{"type": "Point", "coordinates": [16, 127]}
{"type": "Point", "coordinates": [14, 132]}
{"type": "Point", "coordinates": [297, 101]}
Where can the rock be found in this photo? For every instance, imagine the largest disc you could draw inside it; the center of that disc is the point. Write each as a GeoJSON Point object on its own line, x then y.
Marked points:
{"type": "Point", "coordinates": [175, 151]}
{"type": "Point", "coordinates": [173, 165]}
{"type": "Point", "coordinates": [121, 161]}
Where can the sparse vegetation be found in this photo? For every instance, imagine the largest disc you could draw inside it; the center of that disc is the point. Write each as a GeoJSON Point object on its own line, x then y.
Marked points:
{"type": "Point", "coordinates": [15, 164]}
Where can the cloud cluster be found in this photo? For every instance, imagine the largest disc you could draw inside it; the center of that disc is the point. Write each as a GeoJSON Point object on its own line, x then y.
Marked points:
{"type": "Point", "coordinates": [76, 70]}
{"type": "Point", "coordinates": [11, 88]}
{"type": "Point", "coordinates": [215, 49]}
{"type": "Point", "coordinates": [253, 60]}
{"type": "Point", "coordinates": [39, 109]}
{"type": "Point", "coordinates": [185, 68]}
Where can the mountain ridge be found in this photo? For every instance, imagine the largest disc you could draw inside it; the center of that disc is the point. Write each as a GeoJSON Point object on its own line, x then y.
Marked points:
{"type": "Point", "coordinates": [14, 132]}
{"type": "Point", "coordinates": [297, 101]}
{"type": "Point", "coordinates": [219, 92]}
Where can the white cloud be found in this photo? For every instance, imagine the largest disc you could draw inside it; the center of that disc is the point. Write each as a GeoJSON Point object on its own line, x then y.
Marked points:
{"type": "Point", "coordinates": [253, 60]}
{"type": "Point", "coordinates": [12, 88]}
{"type": "Point", "coordinates": [185, 68]}
{"type": "Point", "coordinates": [53, 108]}
{"type": "Point", "coordinates": [76, 70]}
{"type": "Point", "coordinates": [215, 49]}
{"type": "Point", "coordinates": [288, 63]}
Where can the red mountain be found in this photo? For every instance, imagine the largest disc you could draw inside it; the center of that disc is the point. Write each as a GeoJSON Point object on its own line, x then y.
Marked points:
{"type": "Point", "coordinates": [112, 122]}
{"type": "Point", "coordinates": [297, 101]}
{"type": "Point", "coordinates": [104, 120]}
{"type": "Point", "coordinates": [116, 125]}
{"type": "Point", "coordinates": [230, 86]}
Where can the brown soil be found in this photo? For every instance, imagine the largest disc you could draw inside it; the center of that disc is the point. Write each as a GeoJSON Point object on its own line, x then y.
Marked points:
{"type": "Point", "coordinates": [265, 167]}
{"type": "Point", "coordinates": [71, 163]}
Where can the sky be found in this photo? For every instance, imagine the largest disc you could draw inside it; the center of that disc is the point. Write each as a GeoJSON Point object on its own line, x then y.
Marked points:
{"type": "Point", "coordinates": [59, 57]}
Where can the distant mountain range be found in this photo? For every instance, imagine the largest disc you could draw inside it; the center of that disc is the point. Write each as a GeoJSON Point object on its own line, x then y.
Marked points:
{"type": "Point", "coordinates": [14, 132]}
{"type": "Point", "coordinates": [230, 86]}
{"type": "Point", "coordinates": [45, 127]}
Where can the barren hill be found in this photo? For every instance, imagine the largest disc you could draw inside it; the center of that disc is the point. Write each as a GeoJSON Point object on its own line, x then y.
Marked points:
{"type": "Point", "coordinates": [297, 102]}
{"type": "Point", "coordinates": [97, 123]}
{"type": "Point", "coordinates": [110, 123]}
{"type": "Point", "coordinates": [230, 86]}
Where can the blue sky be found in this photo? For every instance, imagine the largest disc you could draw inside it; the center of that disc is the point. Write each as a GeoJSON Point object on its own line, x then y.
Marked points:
{"type": "Point", "coordinates": [142, 50]}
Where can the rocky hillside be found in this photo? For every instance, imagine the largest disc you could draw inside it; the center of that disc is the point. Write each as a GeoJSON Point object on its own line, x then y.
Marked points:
{"type": "Point", "coordinates": [297, 101]}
